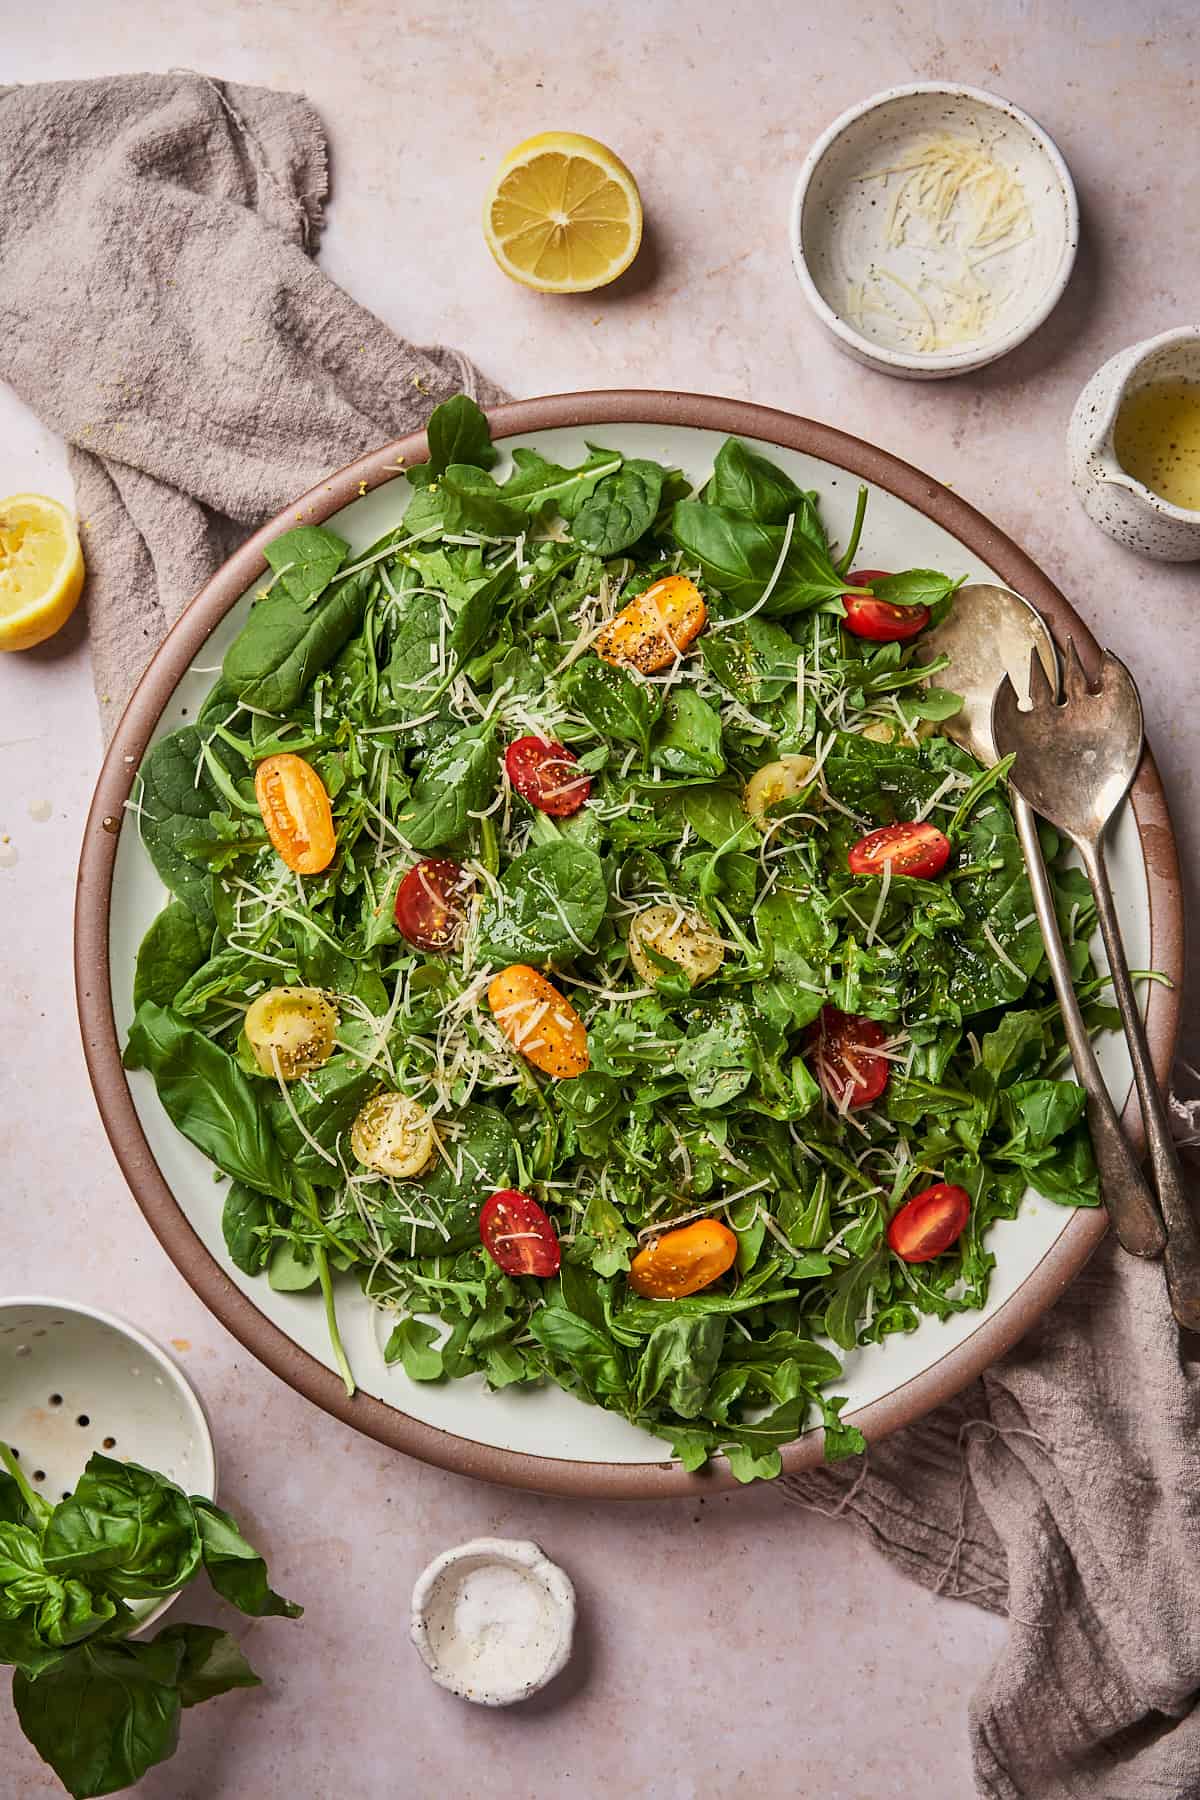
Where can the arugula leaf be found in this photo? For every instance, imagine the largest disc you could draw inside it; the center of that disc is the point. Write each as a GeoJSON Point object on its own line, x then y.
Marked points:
{"type": "Point", "coordinates": [537, 484]}
{"type": "Point", "coordinates": [471, 501]}
{"type": "Point", "coordinates": [414, 1343]}
{"type": "Point", "coordinates": [678, 1363]}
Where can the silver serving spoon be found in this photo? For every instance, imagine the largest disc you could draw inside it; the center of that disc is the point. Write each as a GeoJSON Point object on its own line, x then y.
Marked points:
{"type": "Point", "coordinates": [1075, 761]}
{"type": "Point", "coordinates": [988, 633]}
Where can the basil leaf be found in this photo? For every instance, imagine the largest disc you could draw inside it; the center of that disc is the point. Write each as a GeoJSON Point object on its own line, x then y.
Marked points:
{"type": "Point", "coordinates": [208, 1098]}
{"type": "Point", "coordinates": [130, 1530]}
{"type": "Point", "coordinates": [234, 1567]}
{"type": "Point", "coordinates": [210, 1662]}
{"type": "Point", "coordinates": [306, 559]}
{"type": "Point", "coordinates": [621, 510]}
{"type": "Point", "coordinates": [740, 556]}
{"type": "Point", "coordinates": [745, 482]}
{"type": "Point", "coordinates": [103, 1715]}
{"type": "Point", "coordinates": [914, 587]}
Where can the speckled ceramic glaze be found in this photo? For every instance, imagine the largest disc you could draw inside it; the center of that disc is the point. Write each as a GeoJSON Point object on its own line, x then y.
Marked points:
{"type": "Point", "coordinates": [508, 1638]}
{"type": "Point", "coordinates": [836, 212]}
{"type": "Point", "coordinates": [1124, 508]}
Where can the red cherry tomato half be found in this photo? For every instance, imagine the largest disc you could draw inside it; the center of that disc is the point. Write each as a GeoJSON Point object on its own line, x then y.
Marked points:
{"type": "Point", "coordinates": [431, 903]}
{"type": "Point", "coordinates": [879, 620]}
{"type": "Point", "coordinates": [930, 1222]}
{"type": "Point", "coordinates": [541, 774]}
{"type": "Point", "coordinates": [518, 1236]}
{"type": "Point", "coordinates": [919, 850]}
{"type": "Point", "coordinates": [843, 1049]}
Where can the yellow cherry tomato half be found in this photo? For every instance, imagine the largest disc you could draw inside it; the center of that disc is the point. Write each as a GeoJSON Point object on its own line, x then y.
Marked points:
{"type": "Point", "coordinates": [296, 812]}
{"type": "Point", "coordinates": [290, 1030]}
{"type": "Point", "coordinates": [684, 1261]}
{"type": "Point", "coordinates": [655, 627]}
{"type": "Point", "coordinates": [539, 1022]}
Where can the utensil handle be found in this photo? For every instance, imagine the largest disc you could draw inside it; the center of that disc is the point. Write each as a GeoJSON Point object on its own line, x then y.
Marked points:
{"type": "Point", "coordinates": [1181, 1258]}
{"type": "Point", "coordinates": [1126, 1195]}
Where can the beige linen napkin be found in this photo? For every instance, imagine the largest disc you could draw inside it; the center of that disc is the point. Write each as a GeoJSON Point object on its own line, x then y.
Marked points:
{"type": "Point", "coordinates": [159, 308]}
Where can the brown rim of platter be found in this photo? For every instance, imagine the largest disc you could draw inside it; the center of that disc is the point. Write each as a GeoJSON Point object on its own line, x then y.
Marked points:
{"type": "Point", "coordinates": [265, 1340]}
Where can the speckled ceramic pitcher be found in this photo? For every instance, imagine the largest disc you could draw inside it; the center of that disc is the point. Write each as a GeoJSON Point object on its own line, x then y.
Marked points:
{"type": "Point", "coordinates": [1124, 508]}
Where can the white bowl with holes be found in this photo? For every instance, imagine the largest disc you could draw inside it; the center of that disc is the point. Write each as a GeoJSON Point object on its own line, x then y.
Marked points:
{"type": "Point", "coordinates": [74, 1380]}
{"type": "Point", "coordinates": [920, 304]}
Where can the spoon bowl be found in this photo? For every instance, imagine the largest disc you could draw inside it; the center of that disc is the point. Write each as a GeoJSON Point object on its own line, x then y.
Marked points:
{"type": "Point", "coordinates": [989, 632]}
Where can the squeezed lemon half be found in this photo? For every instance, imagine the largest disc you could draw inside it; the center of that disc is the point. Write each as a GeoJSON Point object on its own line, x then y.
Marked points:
{"type": "Point", "coordinates": [41, 570]}
{"type": "Point", "coordinates": [563, 214]}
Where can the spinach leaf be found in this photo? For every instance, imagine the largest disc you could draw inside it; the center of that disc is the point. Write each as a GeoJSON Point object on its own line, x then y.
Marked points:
{"type": "Point", "coordinates": [585, 1356]}
{"type": "Point", "coordinates": [283, 645]}
{"type": "Point", "coordinates": [745, 482]}
{"type": "Point", "coordinates": [687, 743]}
{"type": "Point", "coordinates": [208, 1098]}
{"type": "Point", "coordinates": [615, 703]}
{"type": "Point", "coordinates": [413, 1343]}
{"type": "Point", "coordinates": [457, 432]}
{"type": "Point", "coordinates": [719, 1057]}
{"type": "Point", "coordinates": [172, 950]}
{"type": "Point", "coordinates": [678, 1363]}
{"type": "Point", "coordinates": [326, 1103]}
{"type": "Point", "coordinates": [552, 902]}
{"type": "Point", "coordinates": [246, 1223]}
{"type": "Point", "coordinates": [234, 1567]}
{"type": "Point", "coordinates": [621, 509]}
{"type": "Point", "coordinates": [306, 559]}
{"type": "Point", "coordinates": [175, 793]}
{"type": "Point", "coordinates": [128, 1529]}
{"type": "Point", "coordinates": [456, 780]}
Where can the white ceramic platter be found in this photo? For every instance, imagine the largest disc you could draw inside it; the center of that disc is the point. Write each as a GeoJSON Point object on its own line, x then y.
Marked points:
{"type": "Point", "coordinates": [548, 1423]}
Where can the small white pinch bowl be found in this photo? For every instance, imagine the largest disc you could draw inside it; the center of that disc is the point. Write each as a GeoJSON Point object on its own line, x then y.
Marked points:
{"type": "Point", "coordinates": [74, 1380]}
{"type": "Point", "coordinates": [493, 1620]}
{"type": "Point", "coordinates": [838, 216]}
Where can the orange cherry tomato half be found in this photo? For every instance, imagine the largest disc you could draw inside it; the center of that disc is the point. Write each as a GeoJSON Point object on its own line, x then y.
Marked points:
{"type": "Point", "coordinates": [880, 620]}
{"type": "Point", "coordinates": [296, 812]}
{"type": "Point", "coordinates": [684, 1261]}
{"type": "Point", "coordinates": [431, 903]}
{"type": "Point", "coordinates": [843, 1050]}
{"type": "Point", "coordinates": [930, 1222]}
{"type": "Point", "coordinates": [541, 772]}
{"type": "Point", "coordinates": [919, 850]}
{"type": "Point", "coordinates": [518, 1236]}
{"type": "Point", "coordinates": [657, 626]}
{"type": "Point", "coordinates": [539, 1022]}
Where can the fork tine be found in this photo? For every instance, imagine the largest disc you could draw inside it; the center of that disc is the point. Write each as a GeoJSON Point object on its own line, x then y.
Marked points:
{"type": "Point", "coordinates": [1075, 679]}
{"type": "Point", "coordinates": [1040, 691]}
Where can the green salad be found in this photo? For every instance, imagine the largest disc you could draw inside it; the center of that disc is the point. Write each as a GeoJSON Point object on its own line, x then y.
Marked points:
{"type": "Point", "coordinates": [581, 937]}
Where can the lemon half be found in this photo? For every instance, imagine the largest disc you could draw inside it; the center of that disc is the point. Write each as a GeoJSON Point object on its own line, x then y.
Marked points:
{"type": "Point", "coordinates": [563, 214]}
{"type": "Point", "coordinates": [41, 570]}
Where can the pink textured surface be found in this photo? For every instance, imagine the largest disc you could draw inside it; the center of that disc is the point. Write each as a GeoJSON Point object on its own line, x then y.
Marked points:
{"type": "Point", "coordinates": [741, 1642]}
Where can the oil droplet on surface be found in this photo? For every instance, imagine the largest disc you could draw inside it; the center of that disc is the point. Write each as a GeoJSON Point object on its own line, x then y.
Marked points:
{"type": "Point", "coordinates": [111, 825]}
{"type": "Point", "coordinates": [9, 857]}
{"type": "Point", "coordinates": [40, 810]}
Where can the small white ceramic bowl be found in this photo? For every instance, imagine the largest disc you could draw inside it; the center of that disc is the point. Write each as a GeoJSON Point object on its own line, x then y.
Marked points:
{"type": "Point", "coordinates": [493, 1620]}
{"type": "Point", "coordinates": [840, 210]}
{"type": "Point", "coordinates": [74, 1380]}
